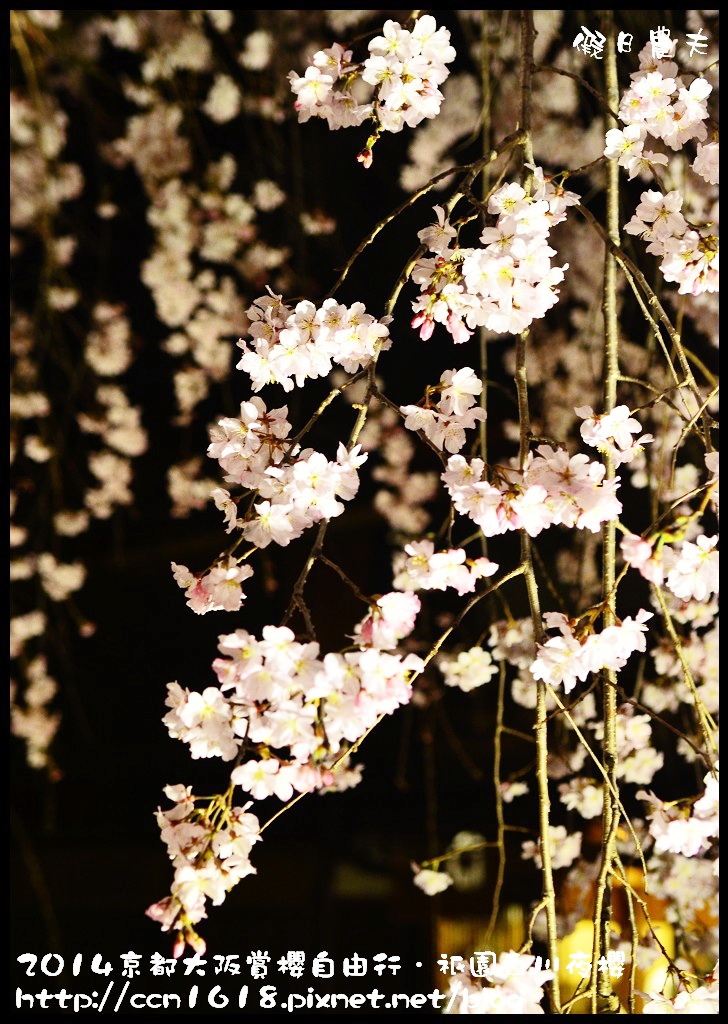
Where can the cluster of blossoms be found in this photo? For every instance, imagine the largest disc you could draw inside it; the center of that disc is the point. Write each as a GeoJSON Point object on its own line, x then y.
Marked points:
{"type": "Point", "coordinates": [690, 573]}
{"type": "Point", "coordinates": [512, 642]}
{"type": "Point", "coordinates": [209, 848]}
{"type": "Point", "coordinates": [659, 102]}
{"type": "Point", "coordinates": [207, 210]}
{"type": "Point", "coordinates": [59, 580]}
{"type": "Point", "coordinates": [299, 487]}
{"type": "Point", "coordinates": [73, 430]}
{"type": "Point", "coordinates": [638, 761]}
{"type": "Point", "coordinates": [108, 348]}
{"type": "Point", "coordinates": [700, 653]}
{"type": "Point", "coordinates": [205, 237]}
{"type": "Point", "coordinates": [279, 693]}
{"type": "Point", "coordinates": [305, 342]}
{"type": "Point", "coordinates": [470, 669]}
{"type": "Point", "coordinates": [689, 255]}
{"type": "Point", "coordinates": [683, 874]}
{"type": "Point", "coordinates": [674, 481]}
{"type": "Point", "coordinates": [611, 433]}
{"type": "Point", "coordinates": [510, 791]}
{"type": "Point", "coordinates": [706, 163]}
{"type": "Point", "coordinates": [420, 567]}
{"type": "Point", "coordinates": [390, 619]}
{"type": "Point", "coordinates": [693, 573]}
{"type": "Point", "coordinates": [283, 715]}
{"type": "Point", "coordinates": [554, 488]}
{"type": "Point", "coordinates": [565, 846]}
{"type": "Point", "coordinates": [582, 795]}
{"type": "Point", "coordinates": [445, 423]}
{"type": "Point", "coordinates": [503, 286]}
{"type": "Point", "coordinates": [406, 491]}
{"type": "Point", "coordinates": [31, 716]}
{"type": "Point", "coordinates": [688, 887]}
{"type": "Point", "coordinates": [40, 180]}
{"type": "Point", "coordinates": [677, 830]}
{"type": "Point", "coordinates": [660, 105]}
{"type": "Point", "coordinates": [702, 999]}
{"type": "Point", "coordinates": [287, 717]}
{"type": "Point", "coordinates": [188, 490]}
{"type": "Point", "coordinates": [513, 984]}
{"type": "Point", "coordinates": [198, 232]}
{"type": "Point", "coordinates": [404, 70]}
{"type": "Point", "coordinates": [217, 589]}
{"type": "Point", "coordinates": [566, 658]}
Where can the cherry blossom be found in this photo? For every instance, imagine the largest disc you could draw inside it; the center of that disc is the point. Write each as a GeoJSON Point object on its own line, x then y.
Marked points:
{"type": "Point", "coordinates": [675, 830]}
{"type": "Point", "coordinates": [706, 162]}
{"type": "Point", "coordinates": [503, 286]}
{"type": "Point", "coordinates": [613, 432]}
{"type": "Point", "coordinates": [392, 619]}
{"type": "Point", "coordinates": [700, 1000]}
{"type": "Point", "coordinates": [404, 68]}
{"type": "Point", "coordinates": [431, 882]}
{"type": "Point", "coordinates": [217, 589]}
{"type": "Point", "coordinates": [693, 573]}
{"type": "Point", "coordinates": [566, 659]}
{"type": "Point", "coordinates": [565, 847]}
{"type": "Point", "coordinates": [469, 670]}
{"type": "Point", "coordinates": [641, 555]}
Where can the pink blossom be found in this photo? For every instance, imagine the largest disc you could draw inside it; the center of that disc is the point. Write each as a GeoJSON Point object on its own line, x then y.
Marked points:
{"type": "Point", "coordinates": [560, 662]}
{"type": "Point", "coordinates": [694, 572]}
{"type": "Point", "coordinates": [639, 554]}
{"type": "Point", "coordinates": [612, 432]}
{"type": "Point", "coordinates": [218, 589]}
{"type": "Point", "coordinates": [707, 162]}
{"type": "Point", "coordinates": [392, 619]}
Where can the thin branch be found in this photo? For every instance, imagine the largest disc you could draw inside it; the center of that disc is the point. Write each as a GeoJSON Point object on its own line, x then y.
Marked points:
{"type": "Point", "coordinates": [470, 171]}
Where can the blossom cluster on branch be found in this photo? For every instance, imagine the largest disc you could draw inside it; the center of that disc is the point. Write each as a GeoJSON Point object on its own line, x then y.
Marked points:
{"type": "Point", "coordinates": [284, 714]}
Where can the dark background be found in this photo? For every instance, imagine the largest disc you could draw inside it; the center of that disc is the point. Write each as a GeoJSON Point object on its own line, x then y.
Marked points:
{"type": "Point", "coordinates": [333, 873]}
